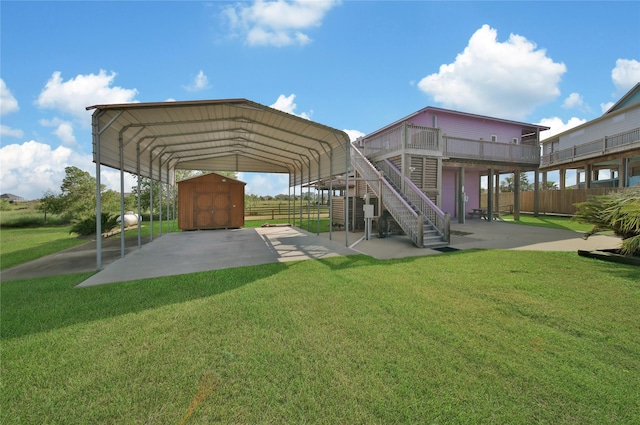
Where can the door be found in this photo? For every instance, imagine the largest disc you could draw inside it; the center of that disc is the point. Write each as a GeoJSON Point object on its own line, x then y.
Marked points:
{"type": "Point", "coordinates": [211, 210]}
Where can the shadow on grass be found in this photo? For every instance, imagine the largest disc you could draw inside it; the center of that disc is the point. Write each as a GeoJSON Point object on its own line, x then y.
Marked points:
{"type": "Point", "coordinates": [32, 306]}
{"type": "Point", "coordinates": [15, 258]}
{"type": "Point", "coordinates": [551, 222]}
{"type": "Point", "coordinates": [38, 305]}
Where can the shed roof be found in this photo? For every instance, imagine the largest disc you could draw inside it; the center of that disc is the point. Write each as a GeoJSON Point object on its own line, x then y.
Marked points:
{"type": "Point", "coordinates": [208, 176]}
{"type": "Point", "coordinates": [154, 139]}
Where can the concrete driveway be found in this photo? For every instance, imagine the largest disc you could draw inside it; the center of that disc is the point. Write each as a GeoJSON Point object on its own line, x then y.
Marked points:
{"type": "Point", "coordinates": [188, 252]}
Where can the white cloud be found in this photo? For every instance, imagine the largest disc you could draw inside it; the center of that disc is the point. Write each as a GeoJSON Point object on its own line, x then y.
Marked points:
{"type": "Point", "coordinates": [504, 79]}
{"type": "Point", "coordinates": [33, 168]}
{"type": "Point", "coordinates": [262, 184]}
{"type": "Point", "coordinates": [6, 131]}
{"type": "Point", "coordinates": [8, 103]}
{"type": "Point", "coordinates": [574, 100]}
{"type": "Point", "coordinates": [354, 134]}
{"type": "Point", "coordinates": [286, 104]}
{"type": "Point", "coordinates": [73, 96]}
{"type": "Point", "coordinates": [604, 107]}
{"type": "Point", "coordinates": [626, 74]}
{"type": "Point", "coordinates": [558, 126]}
{"type": "Point", "coordinates": [199, 83]}
{"type": "Point", "coordinates": [111, 179]}
{"type": "Point", "coordinates": [277, 23]}
{"type": "Point", "coordinates": [63, 129]}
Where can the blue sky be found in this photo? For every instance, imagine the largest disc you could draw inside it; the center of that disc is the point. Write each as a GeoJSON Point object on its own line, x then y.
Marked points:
{"type": "Point", "coordinates": [352, 65]}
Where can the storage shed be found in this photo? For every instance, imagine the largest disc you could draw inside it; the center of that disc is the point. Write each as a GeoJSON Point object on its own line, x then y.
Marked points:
{"type": "Point", "coordinates": [210, 201]}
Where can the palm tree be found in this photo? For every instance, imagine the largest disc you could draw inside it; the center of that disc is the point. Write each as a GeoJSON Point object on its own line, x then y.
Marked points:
{"type": "Point", "coordinates": [618, 212]}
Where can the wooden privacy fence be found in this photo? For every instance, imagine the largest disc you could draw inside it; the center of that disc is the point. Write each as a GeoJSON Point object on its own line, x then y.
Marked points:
{"type": "Point", "coordinates": [283, 211]}
{"type": "Point", "coordinates": [550, 201]}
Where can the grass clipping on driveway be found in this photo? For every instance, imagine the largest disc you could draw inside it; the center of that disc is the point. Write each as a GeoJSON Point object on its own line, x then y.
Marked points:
{"type": "Point", "coordinates": [467, 337]}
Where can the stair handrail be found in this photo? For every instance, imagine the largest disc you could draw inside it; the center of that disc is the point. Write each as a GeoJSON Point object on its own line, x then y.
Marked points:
{"type": "Point", "coordinates": [409, 220]}
{"type": "Point", "coordinates": [432, 212]}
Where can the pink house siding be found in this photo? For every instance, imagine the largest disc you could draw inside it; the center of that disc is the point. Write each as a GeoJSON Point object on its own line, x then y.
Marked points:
{"type": "Point", "coordinates": [469, 127]}
{"type": "Point", "coordinates": [449, 190]}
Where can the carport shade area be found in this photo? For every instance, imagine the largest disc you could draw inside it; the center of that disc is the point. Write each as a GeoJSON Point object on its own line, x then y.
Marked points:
{"type": "Point", "coordinates": [153, 140]}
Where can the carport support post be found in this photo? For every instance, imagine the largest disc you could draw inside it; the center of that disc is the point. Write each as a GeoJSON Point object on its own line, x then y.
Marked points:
{"type": "Point", "coordinates": [122, 224]}
{"type": "Point", "coordinates": [346, 208]}
{"type": "Point", "coordinates": [294, 201]}
{"type": "Point", "coordinates": [151, 195]}
{"type": "Point", "coordinates": [139, 201]}
{"type": "Point", "coordinates": [289, 202]}
{"type": "Point", "coordinates": [96, 141]}
{"type": "Point", "coordinates": [318, 199]}
{"type": "Point", "coordinates": [160, 191]}
{"type": "Point", "coordinates": [330, 198]}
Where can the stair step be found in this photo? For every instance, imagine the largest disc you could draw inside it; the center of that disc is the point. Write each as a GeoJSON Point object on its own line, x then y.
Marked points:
{"type": "Point", "coordinates": [434, 245]}
{"type": "Point", "coordinates": [431, 239]}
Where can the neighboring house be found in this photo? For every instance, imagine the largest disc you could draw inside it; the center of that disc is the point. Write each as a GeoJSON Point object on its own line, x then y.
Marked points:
{"type": "Point", "coordinates": [432, 162]}
{"type": "Point", "coordinates": [605, 152]}
{"type": "Point", "coordinates": [12, 198]}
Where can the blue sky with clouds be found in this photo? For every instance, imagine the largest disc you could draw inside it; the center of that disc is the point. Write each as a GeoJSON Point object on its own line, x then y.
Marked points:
{"type": "Point", "coordinates": [352, 65]}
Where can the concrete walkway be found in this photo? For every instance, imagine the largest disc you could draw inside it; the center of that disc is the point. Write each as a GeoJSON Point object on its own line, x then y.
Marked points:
{"type": "Point", "coordinates": [481, 234]}
{"type": "Point", "coordinates": [188, 252]}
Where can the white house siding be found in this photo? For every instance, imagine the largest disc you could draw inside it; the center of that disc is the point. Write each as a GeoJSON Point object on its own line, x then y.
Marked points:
{"type": "Point", "coordinates": [609, 126]}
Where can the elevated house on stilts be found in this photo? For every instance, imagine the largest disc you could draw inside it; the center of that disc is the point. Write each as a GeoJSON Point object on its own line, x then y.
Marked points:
{"type": "Point", "coordinates": [426, 169]}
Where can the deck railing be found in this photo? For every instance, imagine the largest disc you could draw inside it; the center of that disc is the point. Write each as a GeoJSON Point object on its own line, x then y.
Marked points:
{"type": "Point", "coordinates": [456, 147]}
{"type": "Point", "coordinates": [407, 136]}
{"type": "Point", "coordinates": [408, 219]}
{"type": "Point", "coordinates": [415, 137]}
{"type": "Point", "coordinates": [597, 147]}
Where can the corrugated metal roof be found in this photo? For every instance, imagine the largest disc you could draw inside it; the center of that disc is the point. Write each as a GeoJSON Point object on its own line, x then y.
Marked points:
{"type": "Point", "coordinates": [215, 135]}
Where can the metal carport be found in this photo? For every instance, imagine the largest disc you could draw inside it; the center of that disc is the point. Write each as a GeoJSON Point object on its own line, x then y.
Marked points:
{"type": "Point", "coordinates": [152, 140]}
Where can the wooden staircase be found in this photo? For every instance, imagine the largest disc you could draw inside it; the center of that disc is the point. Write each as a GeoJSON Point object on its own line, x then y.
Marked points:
{"type": "Point", "coordinates": [411, 210]}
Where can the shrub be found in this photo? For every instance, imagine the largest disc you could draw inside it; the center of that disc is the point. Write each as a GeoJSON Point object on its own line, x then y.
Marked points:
{"type": "Point", "coordinates": [88, 225]}
{"type": "Point", "coordinates": [618, 212]}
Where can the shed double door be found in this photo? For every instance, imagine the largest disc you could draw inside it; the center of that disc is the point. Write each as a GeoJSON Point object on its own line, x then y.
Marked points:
{"type": "Point", "coordinates": [211, 210]}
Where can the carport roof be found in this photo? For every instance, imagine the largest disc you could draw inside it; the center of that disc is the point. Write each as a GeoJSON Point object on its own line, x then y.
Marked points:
{"type": "Point", "coordinates": [154, 139]}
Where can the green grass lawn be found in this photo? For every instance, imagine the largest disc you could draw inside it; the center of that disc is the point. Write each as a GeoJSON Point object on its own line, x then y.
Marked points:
{"type": "Point", "coordinates": [21, 245]}
{"type": "Point", "coordinates": [467, 337]}
{"type": "Point", "coordinates": [555, 222]}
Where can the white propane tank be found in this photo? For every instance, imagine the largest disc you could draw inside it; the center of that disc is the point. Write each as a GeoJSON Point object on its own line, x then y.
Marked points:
{"type": "Point", "coordinates": [130, 219]}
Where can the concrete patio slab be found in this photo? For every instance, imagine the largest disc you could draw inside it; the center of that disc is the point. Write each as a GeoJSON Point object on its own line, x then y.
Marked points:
{"type": "Point", "coordinates": [189, 252]}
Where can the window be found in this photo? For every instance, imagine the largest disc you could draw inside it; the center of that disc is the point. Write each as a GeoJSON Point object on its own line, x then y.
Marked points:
{"type": "Point", "coordinates": [494, 138]}
{"type": "Point", "coordinates": [514, 140]}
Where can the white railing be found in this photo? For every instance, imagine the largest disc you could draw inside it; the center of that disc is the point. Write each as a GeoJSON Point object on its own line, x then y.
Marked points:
{"type": "Point", "coordinates": [408, 219]}
{"type": "Point", "coordinates": [423, 138]}
{"type": "Point", "coordinates": [597, 147]}
{"type": "Point", "coordinates": [438, 218]}
{"type": "Point", "coordinates": [386, 142]}
{"type": "Point", "coordinates": [455, 147]}
{"type": "Point", "coordinates": [407, 136]}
